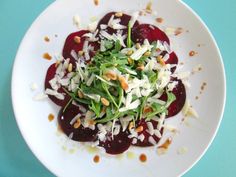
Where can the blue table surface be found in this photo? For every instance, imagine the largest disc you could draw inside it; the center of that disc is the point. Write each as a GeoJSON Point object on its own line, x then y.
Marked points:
{"type": "Point", "coordinates": [16, 159]}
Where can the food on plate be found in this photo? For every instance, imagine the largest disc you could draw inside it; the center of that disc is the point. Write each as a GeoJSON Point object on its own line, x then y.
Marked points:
{"type": "Point", "coordinates": [116, 84]}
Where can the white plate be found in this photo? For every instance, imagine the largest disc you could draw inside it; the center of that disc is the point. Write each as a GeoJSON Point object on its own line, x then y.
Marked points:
{"type": "Point", "coordinates": [40, 134]}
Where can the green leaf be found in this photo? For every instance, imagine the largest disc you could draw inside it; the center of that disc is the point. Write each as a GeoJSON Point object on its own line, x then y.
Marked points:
{"type": "Point", "coordinates": [109, 44]}
{"type": "Point", "coordinates": [117, 47]}
{"type": "Point", "coordinates": [129, 40]}
{"type": "Point", "coordinates": [170, 98]}
{"type": "Point", "coordinates": [105, 87]}
{"type": "Point", "coordinates": [96, 107]}
{"type": "Point", "coordinates": [121, 95]}
{"type": "Point", "coordinates": [69, 102]}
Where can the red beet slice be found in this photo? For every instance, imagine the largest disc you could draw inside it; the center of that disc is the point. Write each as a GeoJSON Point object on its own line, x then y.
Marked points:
{"type": "Point", "coordinates": [70, 44]}
{"type": "Point", "coordinates": [80, 134]}
{"type": "Point", "coordinates": [149, 32]}
{"type": "Point", "coordinates": [145, 142]}
{"type": "Point", "coordinates": [178, 104]}
{"type": "Point", "coordinates": [50, 75]}
{"type": "Point", "coordinates": [173, 59]}
{"type": "Point", "coordinates": [124, 21]}
{"type": "Point", "coordinates": [118, 145]}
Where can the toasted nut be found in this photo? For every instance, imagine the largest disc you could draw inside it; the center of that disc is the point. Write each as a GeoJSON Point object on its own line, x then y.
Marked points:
{"type": "Point", "coordinates": [91, 122]}
{"type": "Point", "coordinates": [137, 45]}
{"type": "Point", "coordinates": [147, 54]}
{"type": "Point", "coordinates": [77, 123]}
{"type": "Point", "coordinates": [147, 109]}
{"type": "Point", "coordinates": [140, 67]}
{"type": "Point", "coordinates": [139, 129]}
{"type": "Point", "coordinates": [80, 94]}
{"type": "Point", "coordinates": [131, 125]}
{"type": "Point", "coordinates": [77, 39]}
{"type": "Point", "coordinates": [57, 63]}
{"type": "Point", "coordinates": [111, 75]}
{"type": "Point", "coordinates": [130, 61]}
{"type": "Point", "coordinates": [105, 102]}
{"type": "Point", "coordinates": [81, 53]}
{"type": "Point", "coordinates": [161, 61]}
{"type": "Point", "coordinates": [130, 52]}
{"type": "Point", "coordinates": [70, 67]}
{"type": "Point", "coordinates": [118, 14]}
{"type": "Point", "coordinates": [123, 83]}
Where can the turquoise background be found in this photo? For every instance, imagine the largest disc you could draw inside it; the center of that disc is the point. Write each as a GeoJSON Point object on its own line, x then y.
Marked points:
{"type": "Point", "coordinates": [16, 160]}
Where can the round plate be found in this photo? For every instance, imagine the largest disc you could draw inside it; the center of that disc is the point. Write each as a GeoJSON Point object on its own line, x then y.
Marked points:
{"type": "Point", "coordinates": [67, 158]}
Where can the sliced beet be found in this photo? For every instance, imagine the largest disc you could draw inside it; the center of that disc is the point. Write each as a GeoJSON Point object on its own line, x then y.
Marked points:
{"type": "Point", "coordinates": [149, 32]}
{"type": "Point", "coordinates": [124, 21]}
{"type": "Point", "coordinates": [70, 44]}
{"type": "Point", "coordinates": [118, 145]}
{"type": "Point", "coordinates": [173, 59]}
{"type": "Point", "coordinates": [145, 142]}
{"type": "Point", "coordinates": [50, 75]}
{"type": "Point", "coordinates": [79, 134]}
{"type": "Point", "coordinates": [178, 104]}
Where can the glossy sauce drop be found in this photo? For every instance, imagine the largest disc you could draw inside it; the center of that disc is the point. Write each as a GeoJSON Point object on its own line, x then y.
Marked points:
{"type": "Point", "coordinates": [159, 20]}
{"type": "Point", "coordinates": [47, 56]}
{"type": "Point", "coordinates": [96, 2]}
{"type": "Point", "coordinates": [46, 39]}
{"type": "Point", "coordinates": [51, 117]}
{"type": "Point", "coordinates": [96, 159]}
{"type": "Point", "coordinates": [143, 158]}
{"type": "Point", "coordinates": [192, 53]}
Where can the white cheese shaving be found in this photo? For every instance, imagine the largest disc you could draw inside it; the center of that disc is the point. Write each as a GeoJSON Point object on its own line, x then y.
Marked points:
{"type": "Point", "coordinates": [157, 133]}
{"type": "Point", "coordinates": [124, 121]}
{"type": "Point", "coordinates": [76, 21]}
{"type": "Point", "coordinates": [40, 97]}
{"type": "Point", "coordinates": [141, 137]}
{"type": "Point", "coordinates": [75, 119]}
{"type": "Point", "coordinates": [33, 86]}
{"type": "Point", "coordinates": [103, 80]}
{"type": "Point", "coordinates": [58, 95]}
{"type": "Point", "coordinates": [92, 26]}
{"type": "Point", "coordinates": [150, 128]}
{"type": "Point", "coordinates": [134, 18]}
{"type": "Point", "coordinates": [161, 121]}
{"type": "Point", "coordinates": [151, 140]}
{"type": "Point", "coordinates": [132, 105]}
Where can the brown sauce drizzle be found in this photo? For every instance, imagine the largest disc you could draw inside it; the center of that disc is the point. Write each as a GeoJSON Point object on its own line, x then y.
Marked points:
{"type": "Point", "coordinates": [47, 56]}
{"type": "Point", "coordinates": [178, 31]}
{"type": "Point", "coordinates": [51, 117]}
{"type": "Point", "coordinates": [96, 159]}
{"type": "Point", "coordinates": [192, 53]}
{"type": "Point", "coordinates": [159, 20]}
{"type": "Point", "coordinates": [166, 144]}
{"type": "Point", "coordinates": [96, 2]}
{"type": "Point", "coordinates": [46, 39]}
{"type": "Point", "coordinates": [143, 158]}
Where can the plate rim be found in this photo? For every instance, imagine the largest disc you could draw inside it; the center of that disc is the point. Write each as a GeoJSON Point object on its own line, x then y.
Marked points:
{"type": "Point", "coordinates": [46, 165]}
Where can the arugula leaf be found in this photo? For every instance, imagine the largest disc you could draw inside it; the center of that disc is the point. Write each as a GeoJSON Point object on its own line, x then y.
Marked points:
{"type": "Point", "coordinates": [69, 102]}
{"type": "Point", "coordinates": [105, 87]}
{"type": "Point", "coordinates": [121, 95]}
{"type": "Point", "coordinates": [170, 98]}
{"type": "Point", "coordinates": [73, 96]}
{"type": "Point", "coordinates": [129, 40]}
{"type": "Point", "coordinates": [117, 47]}
{"type": "Point", "coordinates": [96, 107]}
{"type": "Point", "coordinates": [109, 44]}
